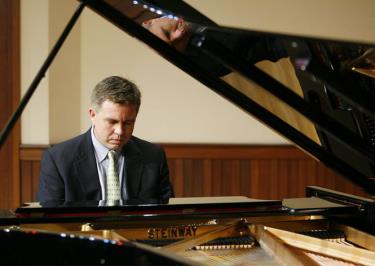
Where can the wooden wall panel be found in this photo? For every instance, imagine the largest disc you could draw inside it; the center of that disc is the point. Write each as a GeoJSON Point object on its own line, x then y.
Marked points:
{"type": "Point", "coordinates": [264, 172]}
{"type": "Point", "coordinates": [30, 157]}
{"type": "Point", "coordinates": [267, 172]}
{"type": "Point", "coordinates": [9, 98]}
{"type": "Point", "coordinates": [29, 180]}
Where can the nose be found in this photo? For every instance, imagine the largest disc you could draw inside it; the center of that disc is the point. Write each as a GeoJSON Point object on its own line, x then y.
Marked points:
{"type": "Point", "coordinates": [119, 130]}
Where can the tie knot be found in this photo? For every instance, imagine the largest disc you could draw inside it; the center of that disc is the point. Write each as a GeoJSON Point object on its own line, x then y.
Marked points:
{"type": "Point", "coordinates": [112, 155]}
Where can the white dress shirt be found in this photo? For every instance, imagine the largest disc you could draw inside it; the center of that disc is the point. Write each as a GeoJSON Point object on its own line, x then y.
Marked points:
{"type": "Point", "coordinates": [102, 160]}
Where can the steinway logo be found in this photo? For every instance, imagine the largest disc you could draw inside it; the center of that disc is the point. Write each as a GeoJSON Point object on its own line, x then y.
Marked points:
{"type": "Point", "coordinates": [172, 232]}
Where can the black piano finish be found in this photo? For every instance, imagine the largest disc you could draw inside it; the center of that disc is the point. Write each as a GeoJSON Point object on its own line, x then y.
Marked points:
{"type": "Point", "coordinates": [338, 101]}
{"type": "Point", "coordinates": [41, 248]}
{"type": "Point", "coordinates": [96, 212]}
{"type": "Point", "coordinates": [26, 245]}
{"type": "Point", "coordinates": [318, 201]}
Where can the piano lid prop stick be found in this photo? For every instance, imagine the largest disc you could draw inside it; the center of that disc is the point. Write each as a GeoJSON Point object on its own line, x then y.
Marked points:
{"type": "Point", "coordinates": [41, 73]}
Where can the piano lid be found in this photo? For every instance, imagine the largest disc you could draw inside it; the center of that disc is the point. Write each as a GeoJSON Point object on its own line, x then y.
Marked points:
{"type": "Point", "coordinates": [317, 93]}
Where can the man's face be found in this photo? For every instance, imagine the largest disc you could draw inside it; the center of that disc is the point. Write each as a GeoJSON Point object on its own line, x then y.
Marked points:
{"type": "Point", "coordinates": [174, 32]}
{"type": "Point", "coordinates": [113, 123]}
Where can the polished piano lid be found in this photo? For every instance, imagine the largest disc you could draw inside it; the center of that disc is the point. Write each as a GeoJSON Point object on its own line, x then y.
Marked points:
{"type": "Point", "coordinates": [206, 208]}
{"type": "Point", "coordinates": [325, 105]}
{"type": "Point", "coordinates": [35, 247]}
{"type": "Point", "coordinates": [137, 209]}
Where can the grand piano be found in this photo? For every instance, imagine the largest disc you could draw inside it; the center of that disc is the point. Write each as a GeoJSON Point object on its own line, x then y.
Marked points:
{"type": "Point", "coordinates": [329, 114]}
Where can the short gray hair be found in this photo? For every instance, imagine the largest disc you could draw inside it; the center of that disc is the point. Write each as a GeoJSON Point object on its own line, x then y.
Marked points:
{"type": "Point", "coordinates": [116, 89]}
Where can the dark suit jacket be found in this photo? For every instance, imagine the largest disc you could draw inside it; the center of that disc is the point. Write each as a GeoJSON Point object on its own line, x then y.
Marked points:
{"type": "Point", "coordinates": [69, 171]}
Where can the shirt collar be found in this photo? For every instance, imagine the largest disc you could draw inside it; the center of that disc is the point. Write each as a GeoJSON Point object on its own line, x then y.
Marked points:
{"type": "Point", "coordinates": [100, 149]}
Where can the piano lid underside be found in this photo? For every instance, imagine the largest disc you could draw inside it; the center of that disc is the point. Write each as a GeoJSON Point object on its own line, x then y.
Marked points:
{"type": "Point", "coordinates": [303, 88]}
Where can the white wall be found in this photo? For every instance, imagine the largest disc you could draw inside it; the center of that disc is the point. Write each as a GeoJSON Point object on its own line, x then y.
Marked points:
{"type": "Point", "coordinates": [64, 74]}
{"type": "Point", "coordinates": [52, 114]}
{"type": "Point", "coordinates": [34, 49]}
{"type": "Point", "coordinates": [338, 19]}
{"type": "Point", "coordinates": [175, 107]}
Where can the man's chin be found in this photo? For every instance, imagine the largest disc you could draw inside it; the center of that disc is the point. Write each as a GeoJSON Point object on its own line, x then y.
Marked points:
{"type": "Point", "coordinates": [115, 145]}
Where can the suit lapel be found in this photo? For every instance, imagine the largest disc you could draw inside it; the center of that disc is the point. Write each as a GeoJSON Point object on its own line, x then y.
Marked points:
{"type": "Point", "coordinates": [133, 168]}
{"type": "Point", "coordinates": [86, 168]}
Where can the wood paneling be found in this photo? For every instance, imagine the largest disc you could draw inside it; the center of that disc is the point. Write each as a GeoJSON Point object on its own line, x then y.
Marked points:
{"type": "Point", "coordinates": [264, 172]}
{"type": "Point", "coordinates": [9, 98]}
{"type": "Point", "coordinates": [30, 157]}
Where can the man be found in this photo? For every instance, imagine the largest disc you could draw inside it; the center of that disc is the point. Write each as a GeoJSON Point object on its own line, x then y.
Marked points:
{"type": "Point", "coordinates": [250, 48]}
{"type": "Point", "coordinates": [172, 31]}
{"type": "Point", "coordinates": [83, 168]}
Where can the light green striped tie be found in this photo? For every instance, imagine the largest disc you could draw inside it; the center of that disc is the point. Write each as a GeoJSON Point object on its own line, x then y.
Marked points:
{"type": "Point", "coordinates": [113, 183]}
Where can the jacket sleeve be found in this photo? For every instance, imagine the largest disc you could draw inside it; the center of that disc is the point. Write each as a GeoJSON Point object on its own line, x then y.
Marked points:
{"type": "Point", "coordinates": [51, 184]}
{"type": "Point", "coordinates": [249, 48]}
{"type": "Point", "coordinates": [166, 189]}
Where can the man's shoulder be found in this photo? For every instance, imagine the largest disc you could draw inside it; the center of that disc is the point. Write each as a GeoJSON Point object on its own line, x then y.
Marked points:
{"type": "Point", "coordinates": [71, 145]}
{"type": "Point", "coordinates": [145, 145]}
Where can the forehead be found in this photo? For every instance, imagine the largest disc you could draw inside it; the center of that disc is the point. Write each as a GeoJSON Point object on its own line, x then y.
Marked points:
{"type": "Point", "coordinates": [111, 107]}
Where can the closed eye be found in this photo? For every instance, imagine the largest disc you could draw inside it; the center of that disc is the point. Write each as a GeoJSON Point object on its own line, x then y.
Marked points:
{"type": "Point", "coordinates": [111, 121]}
{"type": "Point", "coordinates": [129, 122]}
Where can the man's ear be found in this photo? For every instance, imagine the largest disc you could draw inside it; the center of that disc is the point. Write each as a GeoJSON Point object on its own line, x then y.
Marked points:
{"type": "Point", "coordinates": [92, 114]}
{"type": "Point", "coordinates": [180, 35]}
{"type": "Point", "coordinates": [177, 34]}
